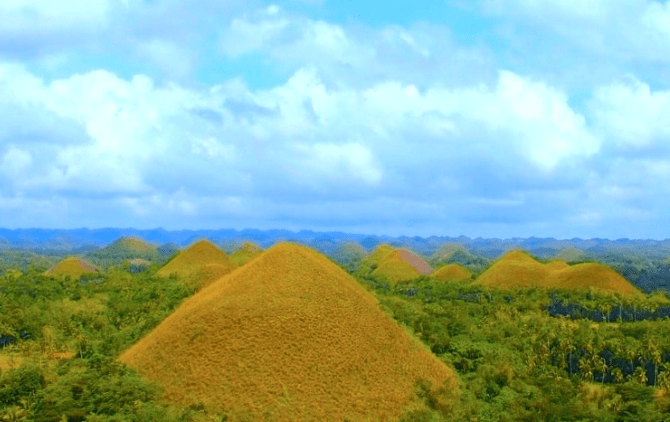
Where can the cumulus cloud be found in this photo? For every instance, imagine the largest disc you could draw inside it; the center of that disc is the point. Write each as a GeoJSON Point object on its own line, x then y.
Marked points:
{"type": "Point", "coordinates": [373, 129]}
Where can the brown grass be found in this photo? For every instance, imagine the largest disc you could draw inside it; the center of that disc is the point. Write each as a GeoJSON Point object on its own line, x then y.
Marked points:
{"type": "Point", "coordinates": [395, 270]}
{"type": "Point", "coordinates": [288, 337]}
{"type": "Point", "coordinates": [598, 276]}
{"type": "Point", "coordinates": [452, 272]}
{"type": "Point", "coordinates": [133, 244]}
{"type": "Point", "coordinates": [194, 258]}
{"type": "Point", "coordinates": [73, 266]}
{"type": "Point", "coordinates": [557, 265]}
{"type": "Point", "coordinates": [414, 260]}
{"type": "Point", "coordinates": [246, 253]}
{"type": "Point", "coordinates": [515, 269]}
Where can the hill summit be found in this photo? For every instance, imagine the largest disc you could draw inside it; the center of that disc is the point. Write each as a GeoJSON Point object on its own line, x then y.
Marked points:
{"type": "Point", "coordinates": [202, 257]}
{"type": "Point", "coordinates": [73, 266]}
{"type": "Point", "coordinates": [517, 269]}
{"type": "Point", "coordinates": [290, 336]}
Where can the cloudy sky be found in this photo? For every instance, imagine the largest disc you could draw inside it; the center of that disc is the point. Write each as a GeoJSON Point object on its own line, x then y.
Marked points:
{"type": "Point", "coordinates": [491, 118]}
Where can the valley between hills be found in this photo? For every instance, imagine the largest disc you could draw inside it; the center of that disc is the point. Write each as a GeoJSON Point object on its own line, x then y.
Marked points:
{"type": "Point", "coordinates": [343, 331]}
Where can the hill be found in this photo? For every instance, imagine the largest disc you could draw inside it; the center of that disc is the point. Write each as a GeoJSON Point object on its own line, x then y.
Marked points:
{"type": "Point", "coordinates": [246, 253]}
{"type": "Point", "coordinates": [598, 276]}
{"type": "Point", "coordinates": [125, 248]}
{"type": "Point", "coordinates": [517, 269]}
{"type": "Point", "coordinates": [414, 260]}
{"type": "Point", "coordinates": [570, 254]}
{"type": "Point", "coordinates": [349, 255]}
{"type": "Point", "coordinates": [288, 337]}
{"type": "Point", "coordinates": [394, 270]}
{"type": "Point", "coordinates": [452, 272]}
{"type": "Point", "coordinates": [514, 269]}
{"type": "Point", "coordinates": [73, 266]}
{"type": "Point", "coordinates": [194, 258]}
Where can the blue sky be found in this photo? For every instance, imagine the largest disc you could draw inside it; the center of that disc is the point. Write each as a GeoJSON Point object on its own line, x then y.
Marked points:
{"type": "Point", "coordinates": [488, 118]}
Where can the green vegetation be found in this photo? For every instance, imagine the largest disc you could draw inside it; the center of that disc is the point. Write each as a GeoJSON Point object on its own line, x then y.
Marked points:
{"type": "Point", "coordinates": [514, 361]}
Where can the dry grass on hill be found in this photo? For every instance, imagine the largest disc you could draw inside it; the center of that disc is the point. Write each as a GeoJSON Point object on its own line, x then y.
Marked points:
{"type": "Point", "coordinates": [414, 260]}
{"type": "Point", "coordinates": [73, 266]}
{"type": "Point", "coordinates": [516, 269]}
{"type": "Point", "coordinates": [598, 276]}
{"type": "Point", "coordinates": [288, 337]}
{"type": "Point", "coordinates": [557, 265]}
{"type": "Point", "coordinates": [133, 244]}
{"type": "Point", "coordinates": [246, 253]}
{"type": "Point", "coordinates": [194, 258]}
{"type": "Point", "coordinates": [395, 270]}
{"type": "Point", "coordinates": [452, 272]}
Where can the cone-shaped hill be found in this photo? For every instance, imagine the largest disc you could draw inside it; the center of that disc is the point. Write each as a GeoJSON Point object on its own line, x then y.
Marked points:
{"type": "Point", "coordinates": [349, 254]}
{"type": "Point", "coordinates": [245, 253]}
{"type": "Point", "coordinates": [598, 276]}
{"type": "Point", "coordinates": [288, 337]}
{"type": "Point", "coordinates": [514, 270]}
{"type": "Point", "coordinates": [451, 253]}
{"type": "Point", "coordinates": [73, 266]}
{"type": "Point", "coordinates": [395, 265]}
{"type": "Point", "coordinates": [192, 261]}
{"type": "Point", "coordinates": [452, 272]}
{"type": "Point", "coordinates": [127, 248]}
{"type": "Point", "coordinates": [570, 254]}
{"type": "Point", "coordinates": [517, 269]}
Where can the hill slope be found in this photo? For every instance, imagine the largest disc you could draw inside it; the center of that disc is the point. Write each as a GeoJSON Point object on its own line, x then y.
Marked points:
{"type": "Point", "coordinates": [452, 272]}
{"type": "Point", "coordinates": [289, 337]}
{"type": "Point", "coordinates": [73, 266]}
{"type": "Point", "coordinates": [245, 253]}
{"type": "Point", "coordinates": [515, 269]}
{"type": "Point", "coordinates": [194, 258]}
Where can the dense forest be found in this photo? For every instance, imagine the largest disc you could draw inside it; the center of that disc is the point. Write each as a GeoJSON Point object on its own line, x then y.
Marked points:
{"type": "Point", "coordinates": [523, 355]}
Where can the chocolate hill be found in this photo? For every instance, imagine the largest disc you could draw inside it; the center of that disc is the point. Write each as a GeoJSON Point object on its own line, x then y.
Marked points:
{"type": "Point", "coordinates": [289, 337]}
{"type": "Point", "coordinates": [452, 272]}
{"type": "Point", "coordinates": [245, 253]}
{"type": "Point", "coordinates": [126, 248]}
{"type": "Point", "coordinates": [194, 258]}
{"type": "Point", "coordinates": [514, 270]}
{"type": "Point", "coordinates": [517, 269]}
{"type": "Point", "coordinates": [415, 261]}
{"type": "Point", "coordinates": [598, 276]}
{"type": "Point", "coordinates": [395, 265]}
{"type": "Point", "coordinates": [73, 266]}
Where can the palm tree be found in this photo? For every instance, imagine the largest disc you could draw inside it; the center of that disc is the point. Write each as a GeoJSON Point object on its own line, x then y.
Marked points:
{"type": "Point", "coordinates": [586, 368]}
{"type": "Point", "coordinates": [641, 375]}
{"type": "Point", "coordinates": [618, 375]}
{"type": "Point", "coordinates": [601, 365]}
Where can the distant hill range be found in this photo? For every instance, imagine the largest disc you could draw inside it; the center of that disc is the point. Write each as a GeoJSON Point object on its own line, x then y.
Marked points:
{"type": "Point", "coordinates": [644, 262]}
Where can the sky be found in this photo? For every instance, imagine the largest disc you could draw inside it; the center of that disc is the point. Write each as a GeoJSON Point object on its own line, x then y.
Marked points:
{"type": "Point", "coordinates": [483, 118]}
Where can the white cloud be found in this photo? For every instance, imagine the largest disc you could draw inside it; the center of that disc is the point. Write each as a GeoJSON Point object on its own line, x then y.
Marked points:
{"type": "Point", "coordinates": [16, 161]}
{"type": "Point", "coordinates": [631, 114]}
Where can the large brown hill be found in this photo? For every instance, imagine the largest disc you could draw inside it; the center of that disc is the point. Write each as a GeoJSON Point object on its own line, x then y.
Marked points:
{"type": "Point", "coordinates": [73, 266]}
{"type": "Point", "coordinates": [517, 269]}
{"type": "Point", "coordinates": [289, 337]}
{"type": "Point", "coordinates": [598, 276]}
{"type": "Point", "coordinates": [192, 261]}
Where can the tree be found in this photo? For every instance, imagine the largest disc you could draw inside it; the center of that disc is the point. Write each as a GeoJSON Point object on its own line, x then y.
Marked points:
{"type": "Point", "coordinates": [601, 365]}
{"type": "Point", "coordinates": [641, 375]}
{"type": "Point", "coordinates": [617, 374]}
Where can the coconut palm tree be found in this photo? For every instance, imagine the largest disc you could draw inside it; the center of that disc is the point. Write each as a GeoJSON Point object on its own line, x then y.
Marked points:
{"type": "Point", "coordinates": [641, 375]}
{"type": "Point", "coordinates": [617, 374]}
